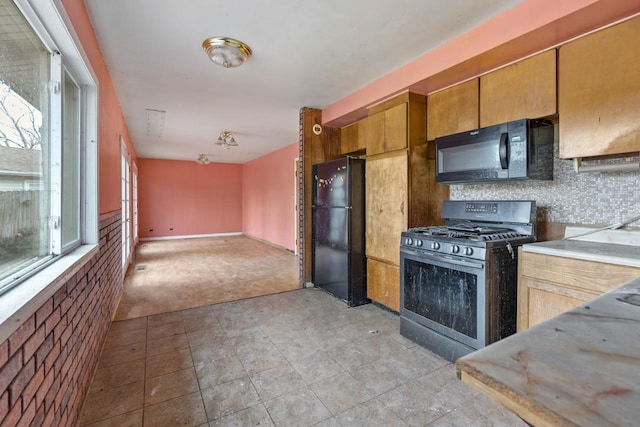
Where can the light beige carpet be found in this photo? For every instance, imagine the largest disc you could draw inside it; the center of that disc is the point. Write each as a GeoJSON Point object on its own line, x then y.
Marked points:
{"type": "Point", "coordinates": [171, 275]}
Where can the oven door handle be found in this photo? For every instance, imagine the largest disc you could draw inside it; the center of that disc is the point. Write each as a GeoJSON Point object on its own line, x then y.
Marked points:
{"type": "Point", "coordinates": [443, 259]}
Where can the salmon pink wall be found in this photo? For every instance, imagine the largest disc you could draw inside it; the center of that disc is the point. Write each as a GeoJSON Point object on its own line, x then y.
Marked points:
{"type": "Point", "coordinates": [268, 185]}
{"type": "Point", "coordinates": [189, 198]}
{"type": "Point", "coordinates": [110, 120]}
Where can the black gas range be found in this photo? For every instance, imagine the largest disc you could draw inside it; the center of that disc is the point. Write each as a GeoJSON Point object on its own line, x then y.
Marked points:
{"type": "Point", "coordinates": [458, 281]}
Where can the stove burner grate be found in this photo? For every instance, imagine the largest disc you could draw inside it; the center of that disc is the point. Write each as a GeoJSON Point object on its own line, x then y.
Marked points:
{"type": "Point", "coordinates": [470, 233]}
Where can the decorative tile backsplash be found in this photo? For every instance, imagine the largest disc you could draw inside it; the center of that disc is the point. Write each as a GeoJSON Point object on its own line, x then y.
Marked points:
{"type": "Point", "coordinates": [594, 198]}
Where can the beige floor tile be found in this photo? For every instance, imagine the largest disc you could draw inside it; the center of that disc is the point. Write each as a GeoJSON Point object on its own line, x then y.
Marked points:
{"type": "Point", "coordinates": [371, 413]}
{"type": "Point", "coordinates": [107, 403]}
{"type": "Point", "coordinates": [378, 377]}
{"type": "Point", "coordinates": [219, 371]}
{"type": "Point", "coordinates": [341, 392]}
{"type": "Point", "coordinates": [164, 363]}
{"type": "Point", "coordinates": [298, 408]}
{"type": "Point", "coordinates": [123, 354]}
{"type": "Point", "coordinates": [185, 411]}
{"type": "Point", "coordinates": [206, 337]}
{"type": "Point", "coordinates": [291, 358]}
{"type": "Point", "coordinates": [167, 344]}
{"type": "Point", "coordinates": [168, 386]}
{"type": "Point", "coordinates": [165, 330]}
{"type": "Point", "coordinates": [126, 337]}
{"type": "Point", "coordinates": [197, 322]}
{"type": "Point", "coordinates": [230, 397]}
{"type": "Point", "coordinates": [117, 375]}
{"type": "Point", "coordinates": [211, 351]}
{"type": "Point", "coordinates": [163, 318]}
{"type": "Point", "coordinates": [130, 419]}
{"type": "Point", "coordinates": [128, 325]}
{"type": "Point", "coordinates": [256, 415]}
{"type": "Point", "coordinates": [316, 366]}
{"type": "Point", "coordinates": [428, 398]}
{"type": "Point", "coordinates": [482, 412]}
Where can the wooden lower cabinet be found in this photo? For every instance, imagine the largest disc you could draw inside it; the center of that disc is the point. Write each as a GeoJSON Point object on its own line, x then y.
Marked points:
{"type": "Point", "coordinates": [549, 285]}
{"type": "Point", "coordinates": [383, 283]}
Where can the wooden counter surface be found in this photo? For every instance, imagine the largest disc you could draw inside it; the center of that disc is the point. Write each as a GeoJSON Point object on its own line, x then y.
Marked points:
{"type": "Point", "coordinates": [580, 368]}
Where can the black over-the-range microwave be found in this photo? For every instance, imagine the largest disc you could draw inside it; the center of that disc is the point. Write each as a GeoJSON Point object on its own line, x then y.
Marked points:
{"type": "Point", "coordinates": [518, 150]}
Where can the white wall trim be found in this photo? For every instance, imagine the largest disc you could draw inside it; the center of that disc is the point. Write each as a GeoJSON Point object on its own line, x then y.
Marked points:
{"type": "Point", "coordinates": [191, 236]}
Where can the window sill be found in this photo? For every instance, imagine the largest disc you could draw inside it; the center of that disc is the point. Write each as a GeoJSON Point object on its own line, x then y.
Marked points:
{"type": "Point", "coordinates": [24, 300]}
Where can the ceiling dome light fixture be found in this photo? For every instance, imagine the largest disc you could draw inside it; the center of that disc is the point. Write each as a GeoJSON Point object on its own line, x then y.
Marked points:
{"type": "Point", "coordinates": [226, 140]}
{"type": "Point", "coordinates": [226, 51]}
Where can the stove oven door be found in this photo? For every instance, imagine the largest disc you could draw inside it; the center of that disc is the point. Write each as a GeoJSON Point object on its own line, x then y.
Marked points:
{"type": "Point", "coordinates": [446, 295]}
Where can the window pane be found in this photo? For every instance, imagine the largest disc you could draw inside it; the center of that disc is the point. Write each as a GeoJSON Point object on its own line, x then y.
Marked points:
{"type": "Point", "coordinates": [70, 162]}
{"type": "Point", "coordinates": [24, 145]}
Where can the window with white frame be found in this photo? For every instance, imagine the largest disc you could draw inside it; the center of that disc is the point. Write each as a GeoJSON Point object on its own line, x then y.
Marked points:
{"type": "Point", "coordinates": [48, 117]}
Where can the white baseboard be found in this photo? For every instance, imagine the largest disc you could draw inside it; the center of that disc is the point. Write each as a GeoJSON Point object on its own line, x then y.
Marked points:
{"type": "Point", "coordinates": [191, 236]}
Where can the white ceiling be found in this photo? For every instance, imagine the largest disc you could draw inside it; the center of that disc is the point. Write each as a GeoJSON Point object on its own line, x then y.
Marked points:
{"type": "Point", "coordinates": [305, 54]}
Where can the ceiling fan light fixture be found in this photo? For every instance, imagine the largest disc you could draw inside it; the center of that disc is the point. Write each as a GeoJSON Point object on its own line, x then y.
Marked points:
{"type": "Point", "coordinates": [202, 159]}
{"type": "Point", "coordinates": [226, 52]}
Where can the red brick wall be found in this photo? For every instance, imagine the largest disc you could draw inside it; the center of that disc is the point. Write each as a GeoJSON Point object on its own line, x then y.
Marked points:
{"type": "Point", "coordinates": [47, 364]}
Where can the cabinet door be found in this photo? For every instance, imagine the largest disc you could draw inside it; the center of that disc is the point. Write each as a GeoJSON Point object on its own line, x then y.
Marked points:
{"type": "Point", "coordinates": [386, 205]}
{"type": "Point", "coordinates": [395, 128]}
{"type": "Point", "coordinates": [362, 137]}
{"type": "Point", "coordinates": [540, 301]}
{"type": "Point", "coordinates": [349, 138]}
{"type": "Point", "coordinates": [453, 110]}
{"type": "Point", "coordinates": [549, 285]}
{"type": "Point", "coordinates": [383, 283]}
{"type": "Point", "coordinates": [599, 82]}
{"type": "Point", "coordinates": [526, 89]}
{"type": "Point", "coordinates": [373, 131]}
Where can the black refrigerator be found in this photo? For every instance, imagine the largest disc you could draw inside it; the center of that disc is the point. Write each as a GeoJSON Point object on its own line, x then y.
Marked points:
{"type": "Point", "coordinates": [339, 263]}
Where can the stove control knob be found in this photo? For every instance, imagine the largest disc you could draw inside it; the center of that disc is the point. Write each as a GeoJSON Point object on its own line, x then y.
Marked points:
{"type": "Point", "coordinates": [435, 246]}
{"type": "Point", "coordinates": [419, 243]}
{"type": "Point", "coordinates": [455, 249]}
{"type": "Point", "coordinates": [468, 251]}
{"type": "Point", "coordinates": [409, 241]}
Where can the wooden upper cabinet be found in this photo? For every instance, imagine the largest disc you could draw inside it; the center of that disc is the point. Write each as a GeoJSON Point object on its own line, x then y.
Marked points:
{"type": "Point", "coordinates": [395, 128]}
{"type": "Point", "coordinates": [526, 89]}
{"type": "Point", "coordinates": [373, 131]}
{"type": "Point", "coordinates": [361, 141]}
{"type": "Point", "coordinates": [349, 138]}
{"type": "Point", "coordinates": [452, 110]}
{"type": "Point", "coordinates": [599, 87]}
{"type": "Point", "coordinates": [387, 130]}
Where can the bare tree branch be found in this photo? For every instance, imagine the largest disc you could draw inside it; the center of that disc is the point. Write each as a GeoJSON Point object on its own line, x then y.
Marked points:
{"type": "Point", "coordinates": [17, 117]}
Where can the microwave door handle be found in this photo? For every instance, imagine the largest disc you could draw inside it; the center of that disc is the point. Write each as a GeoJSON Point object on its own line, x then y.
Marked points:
{"type": "Point", "coordinates": [504, 150]}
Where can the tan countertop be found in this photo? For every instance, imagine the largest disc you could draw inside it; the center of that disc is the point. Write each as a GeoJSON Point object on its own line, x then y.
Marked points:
{"type": "Point", "coordinates": [579, 368]}
{"type": "Point", "coordinates": [591, 251]}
